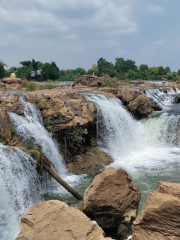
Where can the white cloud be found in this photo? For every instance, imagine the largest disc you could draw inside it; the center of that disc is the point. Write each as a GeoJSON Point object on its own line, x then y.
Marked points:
{"type": "Point", "coordinates": [155, 8]}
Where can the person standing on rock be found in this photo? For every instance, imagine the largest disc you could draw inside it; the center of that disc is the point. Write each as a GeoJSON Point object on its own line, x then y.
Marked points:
{"type": "Point", "coordinates": [39, 75]}
{"type": "Point", "coordinates": [32, 74]}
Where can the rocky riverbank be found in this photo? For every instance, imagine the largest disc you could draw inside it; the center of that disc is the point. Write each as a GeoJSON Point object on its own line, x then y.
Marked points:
{"type": "Point", "coordinates": [108, 211]}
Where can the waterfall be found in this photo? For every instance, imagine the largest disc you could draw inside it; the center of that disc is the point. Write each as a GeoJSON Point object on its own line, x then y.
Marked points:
{"type": "Point", "coordinates": [145, 149]}
{"type": "Point", "coordinates": [164, 100]}
{"type": "Point", "coordinates": [32, 130]}
{"type": "Point", "coordinates": [19, 186]}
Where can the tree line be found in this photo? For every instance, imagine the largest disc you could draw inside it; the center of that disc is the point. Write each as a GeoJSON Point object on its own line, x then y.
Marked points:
{"type": "Point", "coordinates": [122, 69]}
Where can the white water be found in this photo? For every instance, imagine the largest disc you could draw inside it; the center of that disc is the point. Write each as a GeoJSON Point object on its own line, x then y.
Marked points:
{"type": "Point", "coordinates": [148, 150]}
{"type": "Point", "coordinates": [164, 100]}
{"type": "Point", "coordinates": [19, 181]}
{"type": "Point", "coordinates": [19, 186]}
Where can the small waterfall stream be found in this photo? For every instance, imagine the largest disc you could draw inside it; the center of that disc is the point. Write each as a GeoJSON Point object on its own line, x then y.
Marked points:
{"type": "Point", "coordinates": [19, 181]}
{"type": "Point", "coordinates": [148, 150]}
{"type": "Point", "coordinates": [20, 187]}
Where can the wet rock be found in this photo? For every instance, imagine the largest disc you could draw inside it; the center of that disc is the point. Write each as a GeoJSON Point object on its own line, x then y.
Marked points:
{"type": "Point", "coordinates": [54, 220]}
{"type": "Point", "coordinates": [160, 215]}
{"type": "Point", "coordinates": [112, 200]}
{"type": "Point", "coordinates": [92, 161]}
{"type": "Point", "coordinates": [142, 106]}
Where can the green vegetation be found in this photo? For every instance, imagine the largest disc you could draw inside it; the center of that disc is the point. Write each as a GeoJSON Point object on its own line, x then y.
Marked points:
{"type": "Point", "coordinates": [29, 86]}
{"type": "Point", "coordinates": [122, 69]}
{"type": "Point", "coordinates": [2, 70]}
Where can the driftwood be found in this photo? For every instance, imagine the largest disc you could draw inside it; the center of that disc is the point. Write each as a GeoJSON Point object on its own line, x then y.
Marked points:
{"type": "Point", "coordinates": [60, 180]}
{"type": "Point", "coordinates": [12, 80]}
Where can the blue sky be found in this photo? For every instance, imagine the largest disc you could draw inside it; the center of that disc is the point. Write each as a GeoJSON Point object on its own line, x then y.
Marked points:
{"type": "Point", "coordinates": [76, 33]}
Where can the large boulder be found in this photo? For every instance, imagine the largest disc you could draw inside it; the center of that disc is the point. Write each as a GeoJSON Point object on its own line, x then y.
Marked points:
{"type": "Point", "coordinates": [142, 106]}
{"type": "Point", "coordinates": [128, 94]}
{"type": "Point", "coordinates": [54, 220]}
{"type": "Point", "coordinates": [112, 200]}
{"type": "Point", "coordinates": [160, 215]}
{"type": "Point", "coordinates": [12, 80]}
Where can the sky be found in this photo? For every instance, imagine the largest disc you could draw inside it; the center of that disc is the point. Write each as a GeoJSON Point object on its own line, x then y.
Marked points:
{"type": "Point", "coordinates": [76, 33]}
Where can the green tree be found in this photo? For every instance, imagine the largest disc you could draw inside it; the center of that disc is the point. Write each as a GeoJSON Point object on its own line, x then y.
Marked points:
{"type": "Point", "coordinates": [10, 70]}
{"type": "Point", "coordinates": [167, 70]}
{"type": "Point", "coordinates": [2, 69]}
{"type": "Point", "coordinates": [143, 71]}
{"type": "Point", "coordinates": [123, 66]}
{"type": "Point", "coordinates": [105, 67]}
{"type": "Point", "coordinates": [80, 71]}
{"type": "Point", "coordinates": [93, 69]}
{"type": "Point", "coordinates": [161, 70]}
{"type": "Point", "coordinates": [153, 73]}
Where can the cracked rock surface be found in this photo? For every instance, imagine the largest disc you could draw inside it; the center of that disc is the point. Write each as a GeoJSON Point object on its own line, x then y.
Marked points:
{"type": "Point", "coordinates": [54, 220]}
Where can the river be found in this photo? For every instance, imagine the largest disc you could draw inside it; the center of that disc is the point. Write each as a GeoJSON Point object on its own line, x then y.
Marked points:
{"type": "Point", "coordinates": [149, 150]}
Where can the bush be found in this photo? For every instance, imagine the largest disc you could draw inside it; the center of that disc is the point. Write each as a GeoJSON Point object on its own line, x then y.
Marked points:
{"type": "Point", "coordinates": [29, 86]}
{"type": "Point", "coordinates": [109, 83]}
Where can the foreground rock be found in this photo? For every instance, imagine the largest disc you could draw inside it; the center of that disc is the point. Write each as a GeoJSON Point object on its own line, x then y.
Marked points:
{"type": "Point", "coordinates": [54, 220]}
{"type": "Point", "coordinates": [160, 215]}
{"type": "Point", "coordinates": [112, 200]}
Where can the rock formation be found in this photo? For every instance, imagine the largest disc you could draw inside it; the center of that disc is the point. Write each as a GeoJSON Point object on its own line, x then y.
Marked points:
{"type": "Point", "coordinates": [54, 220]}
{"type": "Point", "coordinates": [160, 215]}
{"type": "Point", "coordinates": [94, 81]}
{"type": "Point", "coordinates": [112, 200]}
{"type": "Point", "coordinates": [71, 120]}
{"type": "Point", "coordinates": [12, 80]}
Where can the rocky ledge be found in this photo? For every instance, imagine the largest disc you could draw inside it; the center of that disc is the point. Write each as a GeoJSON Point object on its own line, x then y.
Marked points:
{"type": "Point", "coordinates": [70, 119]}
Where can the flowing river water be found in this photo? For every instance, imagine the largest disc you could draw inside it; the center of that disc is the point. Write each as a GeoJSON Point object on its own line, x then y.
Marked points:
{"type": "Point", "coordinates": [149, 150]}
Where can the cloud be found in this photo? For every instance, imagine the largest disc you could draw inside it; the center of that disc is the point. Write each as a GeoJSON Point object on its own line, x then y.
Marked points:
{"type": "Point", "coordinates": [155, 8]}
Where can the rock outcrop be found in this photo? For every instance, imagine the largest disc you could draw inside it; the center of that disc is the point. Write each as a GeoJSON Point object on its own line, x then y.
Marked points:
{"type": "Point", "coordinates": [160, 215]}
{"type": "Point", "coordinates": [142, 106]}
{"type": "Point", "coordinates": [94, 81]}
{"type": "Point", "coordinates": [112, 200]}
{"type": "Point", "coordinates": [12, 80]}
{"type": "Point", "coordinates": [54, 220]}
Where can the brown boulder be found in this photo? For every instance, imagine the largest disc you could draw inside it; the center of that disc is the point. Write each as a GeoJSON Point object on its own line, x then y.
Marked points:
{"type": "Point", "coordinates": [160, 215]}
{"type": "Point", "coordinates": [12, 80]}
{"type": "Point", "coordinates": [92, 161]}
{"type": "Point", "coordinates": [142, 106]}
{"type": "Point", "coordinates": [54, 220]}
{"type": "Point", "coordinates": [112, 200]}
{"type": "Point", "coordinates": [128, 94]}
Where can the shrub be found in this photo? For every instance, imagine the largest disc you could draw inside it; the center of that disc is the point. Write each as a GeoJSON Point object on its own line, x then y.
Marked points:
{"type": "Point", "coordinates": [29, 86]}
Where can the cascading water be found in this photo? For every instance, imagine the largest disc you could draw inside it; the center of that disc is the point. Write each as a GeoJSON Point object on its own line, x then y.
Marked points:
{"type": "Point", "coordinates": [148, 150]}
{"type": "Point", "coordinates": [19, 186]}
{"type": "Point", "coordinates": [19, 181]}
{"type": "Point", "coordinates": [164, 100]}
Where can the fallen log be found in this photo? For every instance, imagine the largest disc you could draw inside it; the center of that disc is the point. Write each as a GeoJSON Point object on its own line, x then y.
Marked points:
{"type": "Point", "coordinates": [61, 181]}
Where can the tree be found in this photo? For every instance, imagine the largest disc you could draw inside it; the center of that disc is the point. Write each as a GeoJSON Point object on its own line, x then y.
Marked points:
{"type": "Point", "coordinates": [10, 70]}
{"type": "Point", "coordinates": [161, 70]}
{"type": "Point", "coordinates": [143, 70]}
{"type": "Point", "coordinates": [93, 69]}
{"type": "Point", "coordinates": [53, 71]}
{"type": "Point", "coordinates": [167, 70]}
{"type": "Point", "coordinates": [179, 71]}
{"type": "Point", "coordinates": [2, 70]}
{"type": "Point", "coordinates": [105, 67]}
{"type": "Point", "coordinates": [123, 66]}
{"type": "Point", "coordinates": [80, 71]}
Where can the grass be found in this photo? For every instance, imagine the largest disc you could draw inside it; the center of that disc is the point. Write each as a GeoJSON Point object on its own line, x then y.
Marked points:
{"type": "Point", "coordinates": [29, 86]}
{"type": "Point", "coordinates": [110, 84]}
{"type": "Point", "coordinates": [50, 84]}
